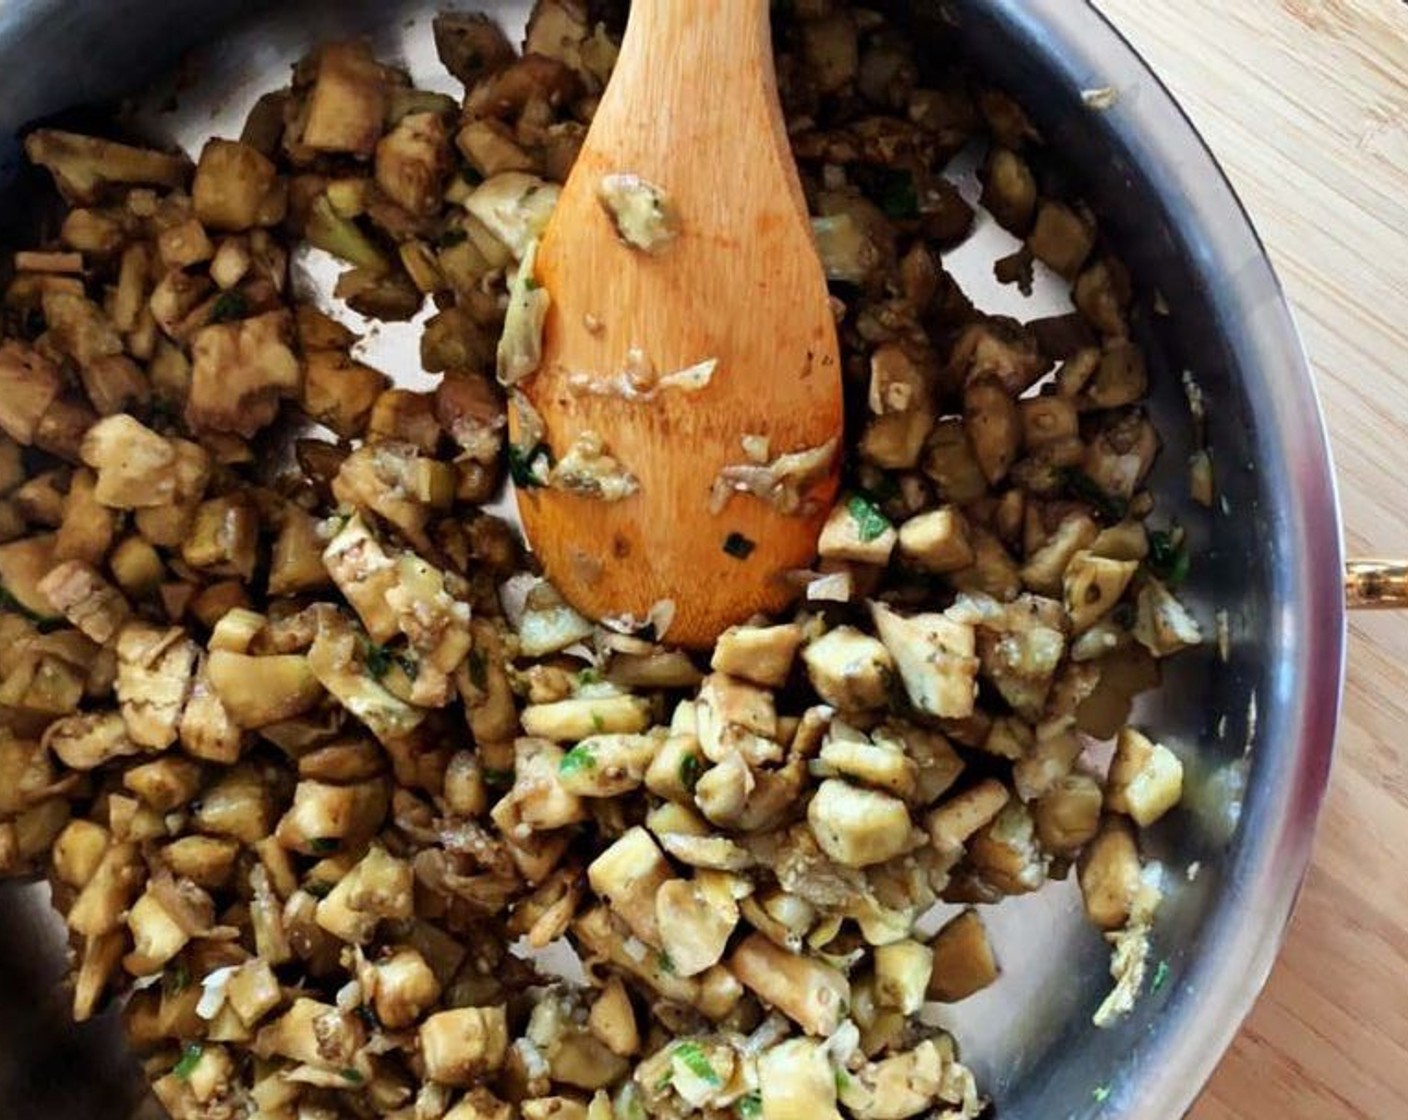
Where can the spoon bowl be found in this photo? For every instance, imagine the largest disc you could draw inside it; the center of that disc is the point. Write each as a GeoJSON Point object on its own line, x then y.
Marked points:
{"type": "Point", "coordinates": [704, 362]}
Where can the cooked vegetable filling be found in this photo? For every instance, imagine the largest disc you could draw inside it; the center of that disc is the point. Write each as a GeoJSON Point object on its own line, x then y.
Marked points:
{"type": "Point", "coordinates": [309, 758]}
{"type": "Point", "coordinates": [643, 213]}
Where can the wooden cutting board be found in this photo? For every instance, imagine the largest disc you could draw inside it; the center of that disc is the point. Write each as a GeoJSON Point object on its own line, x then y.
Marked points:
{"type": "Point", "coordinates": [1305, 103]}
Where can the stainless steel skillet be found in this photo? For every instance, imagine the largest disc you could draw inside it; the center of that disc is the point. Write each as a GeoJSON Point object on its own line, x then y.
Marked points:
{"type": "Point", "coordinates": [1260, 725]}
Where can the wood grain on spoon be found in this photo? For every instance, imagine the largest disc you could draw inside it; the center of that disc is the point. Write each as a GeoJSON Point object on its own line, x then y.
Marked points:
{"type": "Point", "coordinates": [692, 107]}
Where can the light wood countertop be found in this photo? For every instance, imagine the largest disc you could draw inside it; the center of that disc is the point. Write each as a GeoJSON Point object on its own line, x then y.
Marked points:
{"type": "Point", "coordinates": [1305, 103]}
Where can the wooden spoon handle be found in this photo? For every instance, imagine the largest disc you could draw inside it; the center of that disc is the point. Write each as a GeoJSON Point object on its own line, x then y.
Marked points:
{"type": "Point", "coordinates": [675, 53]}
{"type": "Point", "coordinates": [684, 41]}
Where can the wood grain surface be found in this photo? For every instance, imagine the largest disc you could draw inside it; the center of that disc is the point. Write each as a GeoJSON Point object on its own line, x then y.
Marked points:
{"type": "Point", "coordinates": [1305, 103]}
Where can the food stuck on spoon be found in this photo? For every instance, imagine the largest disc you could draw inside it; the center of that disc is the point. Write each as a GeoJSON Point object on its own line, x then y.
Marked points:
{"type": "Point", "coordinates": [681, 426]}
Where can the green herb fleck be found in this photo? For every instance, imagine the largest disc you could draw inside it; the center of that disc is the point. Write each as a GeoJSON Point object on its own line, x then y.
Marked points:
{"type": "Point", "coordinates": [1101, 1093]}
{"type": "Point", "coordinates": [575, 761]}
{"type": "Point", "coordinates": [598, 724]}
{"type": "Point", "coordinates": [664, 1082]}
{"type": "Point", "coordinates": [1160, 976]}
{"type": "Point", "coordinates": [324, 845]}
{"type": "Point", "coordinates": [478, 670]}
{"type": "Point", "coordinates": [1168, 556]}
{"type": "Point", "coordinates": [317, 888]}
{"type": "Point", "coordinates": [738, 546]}
{"type": "Point", "coordinates": [749, 1106]}
{"type": "Point", "coordinates": [666, 965]}
{"type": "Point", "coordinates": [896, 194]}
{"type": "Point", "coordinates": [871, 523]}
{"type": "Point", "coordinates": [378, 659]}
{"type": "Point", "coordinates": [843, 1081]}
{"type": "Point", "coordinates": [691, 767]}
{"type": "Point", "coordinates": [498, 779]}
{"type": "Point", "coordinates": [230, 305]}
{"type": "Point", "coordinates": [1080, 485]}
{"type": "Point", "coordinates": [693, 1059]}
{"type": "Point", "coordinates": [352, 1075]}
{"type": "Point", "coordinates": [588, 676]}
{"type": "Point", "coordinates": [176, 979]}
{"type": "Point", "coordinates": [527, 467]}
{"type": "Point", "coordinates": [190, 1058]}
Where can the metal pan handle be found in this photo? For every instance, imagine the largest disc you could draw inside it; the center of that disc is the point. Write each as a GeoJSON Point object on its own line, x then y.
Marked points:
{"type": "Point", "coordinates": [1376, 584]}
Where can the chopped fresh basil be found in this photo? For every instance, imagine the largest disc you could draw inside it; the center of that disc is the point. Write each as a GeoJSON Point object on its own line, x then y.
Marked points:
{"type": "Point", "coordinates": [352, 1075]}
{"type": "Point", "coordinates": [378, 659]}
{"type": "Point", "coordinates": [749, 1106]}
{"type": "Point", "coordinates": [691, 767]}
{"type": "Point", "coordinates": [190, 1058]}
{"type": "Point", "coordinates": [692, 1058]}
{"type": "Point", "coordinates": [1160, 976]}
{"type": "Point", "coordinates": [176, 979]}
{"type": "Point", "coordinates": [1168, 556]}
{"type": "Point", "coordinates": [498, 779]}
{"type": "Point", "coordinates": [870, 522]}
{"type": "Point", "coordinates": [229, 305]}
{"type": "Point", "coordinates": [528, 468]}
{"type": "Point", "coordinates": [577, 760]}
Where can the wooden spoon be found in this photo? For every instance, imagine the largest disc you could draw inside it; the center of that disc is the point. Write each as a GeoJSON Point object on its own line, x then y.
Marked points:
{"type": "Point", "coordinates": [692, 108]}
